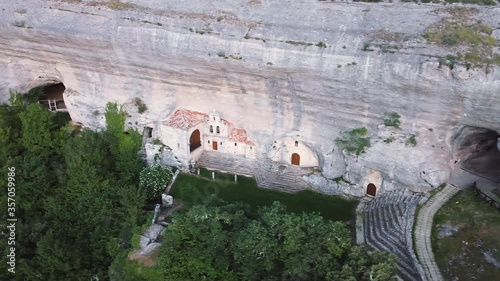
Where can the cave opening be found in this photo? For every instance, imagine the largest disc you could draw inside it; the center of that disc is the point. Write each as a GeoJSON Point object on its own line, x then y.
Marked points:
{"type": "Point", "coordinates": [477, 150]}
{"type": "Point", "coordinates": [50, 95]}
{"type": "Point", "coordinates": [52, 98]}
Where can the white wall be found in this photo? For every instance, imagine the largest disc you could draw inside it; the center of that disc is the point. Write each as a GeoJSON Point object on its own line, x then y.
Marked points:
{"type": "Point", "coordinates": [214, 120]}
{"type": "Point", "coordinates": [177, 140]}
{"type": "Point", "coordinates": [228, 146]}
{"type": "Point", "coordinates": [283, 149]}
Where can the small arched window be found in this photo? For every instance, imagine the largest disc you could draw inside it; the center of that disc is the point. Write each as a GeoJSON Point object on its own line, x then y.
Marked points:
{"type": "Point", "coordinates": [235, 144]}
{"type": "Point", "coordinates": [296, 143]}
{"type": "Point", "coordinates": [211, 129]}
{"type": "Point", "coordinates": [217, 129]}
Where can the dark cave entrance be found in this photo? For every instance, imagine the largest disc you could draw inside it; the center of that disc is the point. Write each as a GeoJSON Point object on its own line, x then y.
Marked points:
{"type": "Point", "coordinates": [477, 149]}
{"type": "Point", "coordinates": [52, 98]}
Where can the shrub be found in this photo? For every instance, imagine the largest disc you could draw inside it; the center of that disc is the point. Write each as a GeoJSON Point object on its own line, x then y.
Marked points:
{"type": "Point", "coordinates": [411, 140]}
{"type": "Point", "coordinates": [221, 54]}
{"type": "Point", "coordinates": [141, 106]}
{"type": "Point", "coordinates": [354, 141]}
{"type": "Point", "coordinates": [389, 140]}
{"type": "Point", "coordinates": [19, 23]}
{"type": "Point", "coordinates": [366, 47]}
{"type": "Point", "coordinates": [392, 119]}
{"type": "Point", "coordinates": [154, 179]}
{"type": "Point", "coordinates": [451, 33]}
{"type": "Point", "coordinates": [321, 44]}
{"type": "Point", "coordinates": [449, 61]}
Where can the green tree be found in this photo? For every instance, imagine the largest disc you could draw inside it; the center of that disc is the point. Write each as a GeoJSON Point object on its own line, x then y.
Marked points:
{"type": "Point", "coordinates": [127, 144]}
{"type": "Point", "coordinates": [215, 241]}
{"type": "Point", "coordinates": [75, 210]}
{"type": "Point", "coordinates": [37, 127]}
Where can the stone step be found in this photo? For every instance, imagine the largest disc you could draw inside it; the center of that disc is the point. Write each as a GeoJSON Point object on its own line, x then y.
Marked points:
{"type": "Point", "coordinates": [267, 174]}
{"type": "Point", "coordinates": [387, 225]}
{"type": "Point", "coordinates": [404, 260]}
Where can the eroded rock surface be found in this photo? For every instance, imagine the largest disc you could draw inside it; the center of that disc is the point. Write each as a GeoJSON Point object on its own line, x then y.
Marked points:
{"type": "Point", "coordinates": [278, 69]}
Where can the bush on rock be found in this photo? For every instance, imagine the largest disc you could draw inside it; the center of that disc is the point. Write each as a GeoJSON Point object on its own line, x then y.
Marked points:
{"type": "Point", "coordinates": [153, 180]}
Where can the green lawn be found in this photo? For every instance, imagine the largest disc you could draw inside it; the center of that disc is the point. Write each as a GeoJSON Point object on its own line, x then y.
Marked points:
{"type": "Point", "coordinates": [192, 190]}
{"type": "Point", "coordinates": [461, 255]}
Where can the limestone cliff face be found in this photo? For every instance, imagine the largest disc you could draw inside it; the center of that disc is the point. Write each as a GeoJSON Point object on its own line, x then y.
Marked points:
{"type": "Point", "coordinates": [276, 68]}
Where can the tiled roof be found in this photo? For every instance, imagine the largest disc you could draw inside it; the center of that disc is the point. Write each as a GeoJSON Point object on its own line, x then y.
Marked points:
{"type": "Point", "coordinates": [239, 135]}
{"type": "Point", "coordinates": [185, 119]}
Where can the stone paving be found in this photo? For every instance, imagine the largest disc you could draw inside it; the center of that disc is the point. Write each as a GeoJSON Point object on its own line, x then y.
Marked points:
{"type": "Point", "coordinates": [423, 231]}
{"type": "Point", "coordinates": [285, 178]}
{"type": "Point", "coordinates": [387, 223]}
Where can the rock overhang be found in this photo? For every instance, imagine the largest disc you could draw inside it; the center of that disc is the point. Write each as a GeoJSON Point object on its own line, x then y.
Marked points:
{"type": "Point", "coordinates": [284, 83]}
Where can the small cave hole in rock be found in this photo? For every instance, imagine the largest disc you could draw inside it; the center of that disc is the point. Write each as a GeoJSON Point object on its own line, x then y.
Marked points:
{"type": "Point", "coordinates": [477, 151]}
{"type": "Point", "coordinates": [52, 97]}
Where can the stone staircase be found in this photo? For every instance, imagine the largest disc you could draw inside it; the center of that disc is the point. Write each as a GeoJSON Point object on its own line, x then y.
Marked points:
{"type": "Point", "coordinates": [227, 163]}
{"type": "Point", "coordinates": [387, 225]}
{"type": "Point", "coordinates": [284, 178]}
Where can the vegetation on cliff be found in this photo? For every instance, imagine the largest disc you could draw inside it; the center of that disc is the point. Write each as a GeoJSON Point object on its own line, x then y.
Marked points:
{"type": "Point", "coordinates": [467, 36]}
{"type": "Point", "coordinates": [77, 197]}
{"type": "Point", "coordinates": [354, 141]}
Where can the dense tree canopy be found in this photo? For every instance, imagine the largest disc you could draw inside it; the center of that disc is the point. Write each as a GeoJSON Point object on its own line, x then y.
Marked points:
{"type": "Point", "coordinates": [77, 198]}
{"type": "Point", "coordinates": [217, 241]}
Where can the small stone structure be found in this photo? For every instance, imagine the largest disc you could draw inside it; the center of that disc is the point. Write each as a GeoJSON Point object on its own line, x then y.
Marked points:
{"type": "Point", "coordinates": [267, 174]}
{"type": "Point", "coordinates": [166, 200]}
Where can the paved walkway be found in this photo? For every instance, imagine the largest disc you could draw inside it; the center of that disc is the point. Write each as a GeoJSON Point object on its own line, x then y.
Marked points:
{"type": "Point", "coordinates": [423, 231]}
{"type": "Point", "coordinates": [285, 178]}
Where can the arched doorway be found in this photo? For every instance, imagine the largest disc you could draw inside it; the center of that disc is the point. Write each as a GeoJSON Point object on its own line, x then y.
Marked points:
{"type": "Point", "coordinates": [194, 140]}
{"type": "Point", "coordinates": [296, 159]}
{"type": "Point", "coordinates": [371, 189]}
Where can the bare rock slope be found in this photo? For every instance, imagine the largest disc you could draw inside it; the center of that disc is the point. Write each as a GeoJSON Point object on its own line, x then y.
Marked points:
{"type": "Point", "coordinates": [305, 69]}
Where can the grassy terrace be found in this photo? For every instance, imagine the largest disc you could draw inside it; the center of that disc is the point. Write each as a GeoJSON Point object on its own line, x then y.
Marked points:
{"type": "Point", "coordinates": [192, 190]}
{"type": "Point", "coordinates": [461, 256]}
